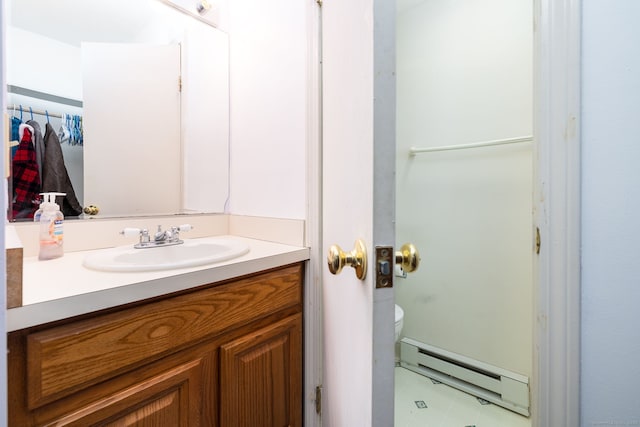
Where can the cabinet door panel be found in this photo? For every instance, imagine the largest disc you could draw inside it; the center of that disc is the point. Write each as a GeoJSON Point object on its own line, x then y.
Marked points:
{"type": "Point", "coordinates": [261, 377]}
{"type": "Point", "coordinates": [170, 399]}
{"type": "Point", "coordinates": [163, 411]}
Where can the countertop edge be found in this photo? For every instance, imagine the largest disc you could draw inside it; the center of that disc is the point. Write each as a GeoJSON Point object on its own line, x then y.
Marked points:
{"type": "Point", "coordinates": [63, 308]}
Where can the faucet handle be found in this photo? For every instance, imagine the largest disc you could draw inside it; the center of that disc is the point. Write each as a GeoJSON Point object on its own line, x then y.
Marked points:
{"type": "Point", "coordinates": [130, 232]}
{"type": "Point", "coordinates": [134, 232]}
{"type": "Point", "coordinates": [185, 227]}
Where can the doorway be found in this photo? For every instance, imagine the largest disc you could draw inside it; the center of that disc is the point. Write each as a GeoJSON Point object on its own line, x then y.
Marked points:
{"type": "Point", "coordinates": [348, 72]}
{"type": "Point", "coordinates": [464, 198]}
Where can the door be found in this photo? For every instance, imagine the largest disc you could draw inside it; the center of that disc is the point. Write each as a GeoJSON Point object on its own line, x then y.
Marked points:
{"type": "Point", "coordinates": [358, 43]}
{"type": "Point", "coordinates": [113, 74]}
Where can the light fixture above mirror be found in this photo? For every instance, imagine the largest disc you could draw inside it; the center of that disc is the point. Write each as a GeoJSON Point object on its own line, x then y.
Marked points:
{"type": "Point", "coordinates": [205, 10]}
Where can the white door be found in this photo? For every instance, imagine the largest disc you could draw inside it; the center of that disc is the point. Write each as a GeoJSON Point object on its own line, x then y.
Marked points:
{"type": "Point", "coordinates": [114, 127]}
{"type": "Point", "coordinates": [358, 43]}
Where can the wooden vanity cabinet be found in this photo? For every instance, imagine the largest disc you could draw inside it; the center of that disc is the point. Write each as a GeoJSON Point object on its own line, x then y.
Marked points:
{"type": "Point", "coordinates": [225, 354]}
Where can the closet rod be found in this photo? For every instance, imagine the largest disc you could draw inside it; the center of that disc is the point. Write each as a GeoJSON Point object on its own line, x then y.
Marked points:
{"type": "Point", "coordinates": [414, 150]}
{"type": "Point", "coordinates": [27, 111]}
{"type": "Point", "coordinates": [18, 90]}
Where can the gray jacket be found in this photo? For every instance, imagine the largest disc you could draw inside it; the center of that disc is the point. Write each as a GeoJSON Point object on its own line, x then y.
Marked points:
{"type": "Point", "coordinates": [38, 144]}
{"type": "Point", "coordinates": [54, 174]}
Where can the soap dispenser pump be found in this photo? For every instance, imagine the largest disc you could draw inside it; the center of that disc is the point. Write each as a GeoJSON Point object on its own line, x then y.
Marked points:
{"type": "Point", "coordinates": [51, 231]}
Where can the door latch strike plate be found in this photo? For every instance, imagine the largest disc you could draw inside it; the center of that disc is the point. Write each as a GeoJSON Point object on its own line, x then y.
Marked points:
{"type": "Point", "coordinates": [318, 399]}
{"type": "Point", "coordinates": [385, 263]}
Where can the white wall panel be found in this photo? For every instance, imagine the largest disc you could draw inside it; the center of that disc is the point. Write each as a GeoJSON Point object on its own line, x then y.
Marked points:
{"type": "Point", "coordinates": [268, 60]}
{"type": "Point", "coordinates": [610, 206]}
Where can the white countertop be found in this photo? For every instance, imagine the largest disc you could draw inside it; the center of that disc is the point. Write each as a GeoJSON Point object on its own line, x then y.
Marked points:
{"type": "Point", "coordinates": [61, 288]}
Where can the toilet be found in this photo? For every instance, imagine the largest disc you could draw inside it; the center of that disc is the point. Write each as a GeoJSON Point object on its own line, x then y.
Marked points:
{"type": "Point", "coordinates": [399, 321]}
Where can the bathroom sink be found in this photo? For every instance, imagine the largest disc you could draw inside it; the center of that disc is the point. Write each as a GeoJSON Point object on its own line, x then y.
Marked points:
{"type": "Point", "coordinates": [192, 253]}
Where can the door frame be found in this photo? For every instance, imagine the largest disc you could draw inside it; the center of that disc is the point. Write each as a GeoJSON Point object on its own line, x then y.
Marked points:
{"type": "Point", "coordinates": [555, 388]}
{"type": "Point", "coordinates": [557, 70]}
{"type": "Point", "coordinates": [313, 332]}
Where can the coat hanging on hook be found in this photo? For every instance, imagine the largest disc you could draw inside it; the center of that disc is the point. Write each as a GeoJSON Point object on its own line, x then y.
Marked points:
{"type": "Point", "coordinates": [26, 178]}
{"type": "Point", "coordinates": [55, 177]}
{"type": "Point", "coordinates": [38, 143]}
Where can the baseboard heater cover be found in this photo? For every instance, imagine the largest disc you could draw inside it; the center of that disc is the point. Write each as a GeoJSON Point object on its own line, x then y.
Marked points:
{"type": "Point", "coordinates": [496, 385]}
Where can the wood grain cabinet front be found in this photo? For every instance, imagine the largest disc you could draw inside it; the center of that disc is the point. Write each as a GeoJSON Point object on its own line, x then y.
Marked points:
{"type": "Point", "coordinates": [225, 354]}
{"type": "Point", "coordinates": [260, 377]}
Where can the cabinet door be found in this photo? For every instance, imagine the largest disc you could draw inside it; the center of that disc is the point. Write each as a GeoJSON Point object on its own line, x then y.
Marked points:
{"type": "Point", "coordinates": [170, 399]}
{"type": "Point", "coordinates": [261, 377]}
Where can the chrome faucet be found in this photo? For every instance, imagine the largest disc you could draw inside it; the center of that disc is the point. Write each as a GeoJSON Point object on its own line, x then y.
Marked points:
{"type": "Point", "coordinates": [160, 238]}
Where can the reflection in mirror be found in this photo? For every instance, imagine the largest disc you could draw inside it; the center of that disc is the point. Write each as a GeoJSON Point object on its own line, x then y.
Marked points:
{"type": "Point", "coordinates": [135, 94]}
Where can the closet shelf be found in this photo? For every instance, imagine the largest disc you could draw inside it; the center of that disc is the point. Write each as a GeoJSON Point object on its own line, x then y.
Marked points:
{"type": "Point", "coordinates": [18, 90]}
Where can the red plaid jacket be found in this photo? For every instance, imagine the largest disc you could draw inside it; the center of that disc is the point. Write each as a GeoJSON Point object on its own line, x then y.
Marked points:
{"type": "Point", "coordinates": [26, 179]}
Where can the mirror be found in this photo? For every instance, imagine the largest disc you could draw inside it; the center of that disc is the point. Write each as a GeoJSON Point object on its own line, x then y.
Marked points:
{"type": "Point", "coordinates": [137, 93]}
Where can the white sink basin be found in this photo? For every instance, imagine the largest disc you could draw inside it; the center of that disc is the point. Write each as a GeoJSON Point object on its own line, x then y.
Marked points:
{"type": "Point", "coordinates": [192, 253]}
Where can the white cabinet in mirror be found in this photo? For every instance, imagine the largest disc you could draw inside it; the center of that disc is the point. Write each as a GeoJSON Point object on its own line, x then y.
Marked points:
{"type": "Point", "coordinates": [137, 94]}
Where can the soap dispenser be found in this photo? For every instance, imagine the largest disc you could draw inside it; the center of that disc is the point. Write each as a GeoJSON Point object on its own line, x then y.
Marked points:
{"type": "Point", "coordinates": [51, 231]}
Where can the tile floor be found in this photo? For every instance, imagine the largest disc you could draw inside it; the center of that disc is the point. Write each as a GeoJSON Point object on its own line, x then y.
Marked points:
{"type": "Point", "coordinates": [445, 406]}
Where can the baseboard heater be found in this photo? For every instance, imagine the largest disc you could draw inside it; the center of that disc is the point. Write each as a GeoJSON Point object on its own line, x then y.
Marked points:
{"type": "Point", "coordinates": [493, 384]}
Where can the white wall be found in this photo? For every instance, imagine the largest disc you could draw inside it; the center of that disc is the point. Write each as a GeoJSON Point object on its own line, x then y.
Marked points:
{"type": "Point", "coordinates": [610, 209]}
{"type": "Point", "coordinates": [268, 60]}
{"type": "Point", "coordinates": [205, 118]}
{"type": "Point", "coordinates": [31, 54]}
{"type": "Point", "coordinates": [464, 75]}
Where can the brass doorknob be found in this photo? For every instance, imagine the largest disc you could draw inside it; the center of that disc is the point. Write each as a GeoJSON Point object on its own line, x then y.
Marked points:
{"type": "Point", "coordinates": [408, 257]}
{"type": "Point", "coordinates": [357, 259]}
